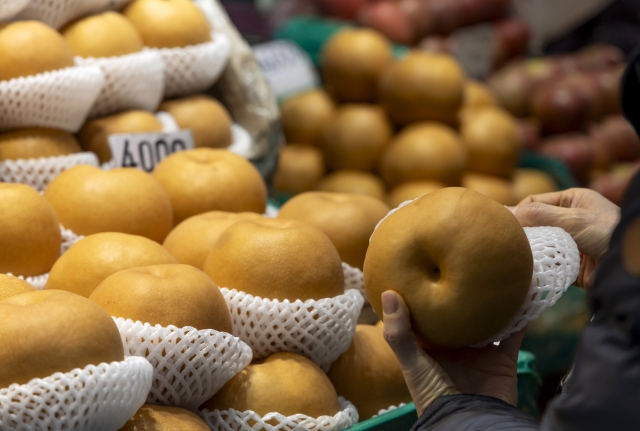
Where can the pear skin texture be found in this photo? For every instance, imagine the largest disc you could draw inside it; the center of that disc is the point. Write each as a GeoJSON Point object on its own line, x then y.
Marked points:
{"type": "Point", "coordinates": [108, 34]}
{"type": "Point", "coordinates": [411, 190]}
{"type": "Point", "coordinates": [208, 179]}
{"type": "Point", "coordinates": [168, 23]}
{"type": "Point", "coordinates": [191, 241]}
{"type": "Point", "coordinates": [425, 151]}
{"type": "Point", "coordinates": [276, 259]}
{"type": "Point", "coordinates": [30, 236]}
{"type": "Point", "coordinates": [305, 116]}
{"type": "Point", "coordinates": [348, 220]}
{"type": "Point", "coordinates": [461, 261]}
{"type": "Point", "coordinates": [422, 87]}
{"type": "Point", "coordinates": [150, 417]}
{"type": "Point", "coordinates": [354, 182]}
{"type": "Point", "coordinates": [52, 331]}
{"type": "Point", "coordinates": [35, 142]}
{"type": "Point", "coordinates": [209, 121]}
{"type": "Point", "coordinates": [30, 48]}
{"type": "Point", "coordinates": [302, 388]}
{"type": "Point", "coordinates": [368, 374]}
{"type": "Point", "coordinates": [352, 61]}
{"type": "Point", "coordinates": [89, 200]}
{"type": "Point", "coordinates": [11, 286]}
{"type": "Point", "coordinates": [92, 259]}
{"type": "Point", "coordinates": [150, 293]}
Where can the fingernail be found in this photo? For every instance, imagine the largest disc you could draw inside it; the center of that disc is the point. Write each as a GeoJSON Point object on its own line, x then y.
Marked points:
{"type": "Point", "coordinates": [390, 303]}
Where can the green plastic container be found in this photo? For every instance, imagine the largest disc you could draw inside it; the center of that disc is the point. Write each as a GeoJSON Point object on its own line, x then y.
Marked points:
{"type": "Point", "coordinates": [403, 418]}
{"type": "Point", "coordinates": [558, 170]}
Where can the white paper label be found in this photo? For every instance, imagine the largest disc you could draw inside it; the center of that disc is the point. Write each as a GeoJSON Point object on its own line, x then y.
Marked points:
{"type": "Point", "coordinates": [287, 68]}
{"type": "Point", "coordinates": [145, 150]}
{"type": "Point", "coordinates": [474, 47]}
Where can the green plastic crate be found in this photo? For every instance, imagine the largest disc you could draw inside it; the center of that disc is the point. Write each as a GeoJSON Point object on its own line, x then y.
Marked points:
{"type": "Point", "coordinates": [556, 168]}
{"type": "Point", "coordinates": [403, 418]}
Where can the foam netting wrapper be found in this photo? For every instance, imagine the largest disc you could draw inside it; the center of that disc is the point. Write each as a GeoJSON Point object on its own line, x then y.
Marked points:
{"type": "Point", "coordinates": [9, 8]}
{"type": "Point", "coordinates": [242, 144]}
{"type": "Point", "coordinates": [195, 68]}
{"type": "Point", "coordinates": [133, 81]}
{"type": "Point", "coordinates": [319, 329]}
{"type": "Point", "coordinates": [389, 409]}
{"type": "Point", "coordinates": [353, 278]}
{"type": "Point", "coordinates": [68, 239]}
{"type": "Point", "coordinates": [60, 99]}
{"type": "Point", "coordinates": [189, 365]}
{"type": "Point", "coordinates": [57, 13]}
{"type": "Point", "coordinates": [233, 420]}
{"type": "Point", "coordinates": [96, 398]}
{"type": "Point", "coordinates": [38, 173]}
{"type": "Point", "coordinates": [556, 264]}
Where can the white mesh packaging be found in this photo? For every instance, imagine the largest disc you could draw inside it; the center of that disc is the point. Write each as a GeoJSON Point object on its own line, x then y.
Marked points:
{"type": "Point", "coordinates": [353, 278]}
{"type": "Point", "coordinates": [556, 264]}
{"type": "Point", "coordinates": [319, 329]}
{"type": "Point", "coordinates": [9, 8]}
{"type": "Point", "coordinates": [232, 420]}
{"type": "Point", "coordinates": [389, 409]}
{"type": "Point", "coordinates": [57, 13]}
{"type": "Point", "coordinates": [195, 68]}
{"type": "Point", "coordinates": [38, 173]}
{"type": "Point", "coordinates": [60, 99]}
{"type": "Point", "coordinates": [68, 239]}
{"type": "Point", "coordinates": [96, 398]}
{"type": "Point", "coordinates": [133, 81]}
{"type": "Point", "coordinates": [189, 365]}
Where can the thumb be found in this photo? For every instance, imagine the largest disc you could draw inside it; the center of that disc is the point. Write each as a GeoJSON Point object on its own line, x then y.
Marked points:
{"type": "Point", "coordinates": [425, 379]}
{"type": "Point", "coordinates": [538, 214]}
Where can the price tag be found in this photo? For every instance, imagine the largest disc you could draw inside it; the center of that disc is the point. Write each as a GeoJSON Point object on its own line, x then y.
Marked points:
{"type": "Point", "coordinates": [145, 150]}
{"type": "Point", "coordinates": [474, 48]}
{"type": "Point", "coordinates": [287, 68]}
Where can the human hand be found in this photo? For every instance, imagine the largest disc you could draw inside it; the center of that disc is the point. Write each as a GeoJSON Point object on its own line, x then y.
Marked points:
{"type": "Point", "coordinates": [585, 214]}
{"type": "Point", "coordinates": [490, 371]}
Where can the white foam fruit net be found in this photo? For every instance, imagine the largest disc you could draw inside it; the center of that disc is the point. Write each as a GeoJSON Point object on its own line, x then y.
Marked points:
{"type": "Point", "coordinates": [57, 13]}
{"type": "Point", "coordinates": [242, 144]}
{"type": "Point", "coordinates": [133, 81]}
{"type": "Point", "coordinates": [60, 99]}
{"type": "Point", "coordinates": [195, 68]}
{"type": "Point", "coordinates": [38, 173]}
{"type": "Point", "coordinates": [68, 239]}
{"type": "Point", "coordinates": [233, 420]}
{"type": "Point", "coordinates": [9, 8]}
{"type": "Point", "coordinates": [353, 278]}
{"type": "Point", "coordinates": [389, 409]}
{"type": "Point", "coordinates": [96, 398]}
{"type": "Point", "coordinates": [319, 329]}
{"type": "Point", "coordinates": [189, 365]}
{"type": "Point", "coordinates": [556, 264]}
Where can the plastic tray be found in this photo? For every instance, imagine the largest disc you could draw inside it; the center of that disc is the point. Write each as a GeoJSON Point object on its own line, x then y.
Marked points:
{"type": "Point", "coordinates": [403, 418]}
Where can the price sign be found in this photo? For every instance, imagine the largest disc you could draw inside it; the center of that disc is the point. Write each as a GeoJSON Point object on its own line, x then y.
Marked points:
{"type": "Point", "coordinates": [287, 68]}
{"type": "Point", "coordinates": [145, 150]}
{"type": "Point", "coordinates": [474, 48]}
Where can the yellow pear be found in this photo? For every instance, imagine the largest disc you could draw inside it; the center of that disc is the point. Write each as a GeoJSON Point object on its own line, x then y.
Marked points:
{"type": "Point", "coordinates": [108, 34]}
{"type": "Point", "coordinates": [35, 142]}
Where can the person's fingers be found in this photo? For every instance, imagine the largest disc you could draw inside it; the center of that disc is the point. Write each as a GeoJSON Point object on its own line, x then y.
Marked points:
{"type": "Point", "coordinates": [540, 214]}
{"type": "Point", "coordinates": [554, 198]}
{"type": "Point", "coordinates": [425, 379]}
{"type": "Point", "coordinates": [397, 328]}
{"type": "Point", "coordinates": [511, 345]}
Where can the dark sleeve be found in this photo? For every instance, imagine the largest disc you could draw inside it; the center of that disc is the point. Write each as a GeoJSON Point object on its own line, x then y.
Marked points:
{"type": "Point", "coordinates": [474, 413]}
{"type": "Point", "coordinates": [604, 390]}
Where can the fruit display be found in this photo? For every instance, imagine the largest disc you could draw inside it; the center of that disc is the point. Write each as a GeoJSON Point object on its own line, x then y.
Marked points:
{"type": "Point", "coordinates": [149, 281]}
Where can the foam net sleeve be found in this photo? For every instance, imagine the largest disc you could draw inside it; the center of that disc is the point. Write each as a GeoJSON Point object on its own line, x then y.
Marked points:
{"type": "Point", "coordinates": [353, 279]}
{"type": "Point", "coordinates": [133, 81]}
{"type": "Point", "coordinates": [233, 420]}
{"type": "Point", "coordinates": [556, 264]}
{"type": "Point", "coordinates": [60, 99]}
{"type": "Point", "coordinates": [193, 69]}
{"type": "Point", "coordinates": [95, 398]}
{"type": "Point", "coordinates": [38, 173]}
{"type": "Point", "coordinates": [242, 144]}
{"type": "Point", "coordinates": [57, 13]}
{"type": "Point", "coordinates": [9, 8]}
{"type": "Point", "coordinates": [189, 365]}
{"type": "Point", "coordinates": [319, 329]}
